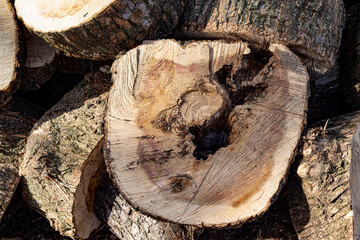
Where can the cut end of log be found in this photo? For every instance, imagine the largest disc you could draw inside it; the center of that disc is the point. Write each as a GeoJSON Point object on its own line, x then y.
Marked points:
{"type": "Point", "coordinates": [9, 50]}
{"type": "Point", "coordinates": [60, 8]}
{"type": "Point", "coordinates": [40, 63]}
{"type": "Point", "coordinates": [203, 134]}
{"type": "Point", "coordinates": [93, 169]}
{"type": "Point", "coordinates": [57, 15]}
{"type": "Point", "coordinates": [99, 29]}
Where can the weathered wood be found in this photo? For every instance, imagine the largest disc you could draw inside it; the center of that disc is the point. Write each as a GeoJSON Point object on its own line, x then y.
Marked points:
{"type": "Point", "coordinates": [203, 134]}
{"type": "Point", "coordinates": [59, 154]}
{"type": "Point", "coordinates": [310, 28]}
{"type": "Point", "coordinates": [355, 181]}
{"type": "Point", "coordinates": [319, 196]}
{"type": "Point", "coordinates": [351, 59]}
{"type": "Point", "coordinates": [40, 63]}
{"type": "Point", "coordinates": [9, 52]}
{"type": "Point", "coordinates": [99, 29]}
{"type": "Point", "coordinates": [16, 120]}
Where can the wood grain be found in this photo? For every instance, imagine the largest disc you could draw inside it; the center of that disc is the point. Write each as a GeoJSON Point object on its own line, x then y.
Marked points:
{"type": "Point", "coordinates": [152, 142]}
{"type": "Point", "coordinates": [9, 52]}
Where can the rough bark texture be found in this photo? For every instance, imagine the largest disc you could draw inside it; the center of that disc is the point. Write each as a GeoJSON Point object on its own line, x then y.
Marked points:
{"type": "Point", "coordinates": [128, 223]}
{"type": "Point", "coordinates": [355, 182]}
{"type": "Point", "coordinates": [120, 27]}
{"type": "Point", "coordinates": [16, 120]}
{"type": "Point", "coordinates": [319, 196]}
{"type": "Point", "coordinates": [199, 134]}
{"type": "Point", "coordinates": [58, 149]}
{"type": "Point", "coordinates": [310, 28]}
{"type": "Point", "coordinates": [351, 59]}
{"type": "Point", "coordinates": [10, 54]}
{"type": "Point", "coordinates": [40, 64]}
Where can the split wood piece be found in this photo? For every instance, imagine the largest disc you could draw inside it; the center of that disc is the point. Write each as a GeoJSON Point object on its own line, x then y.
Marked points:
{"type": "Point", "coordinates": [40, 64]}
{"type": "Point", "coordinates": [351, 59]}
{"type": "Point", "coordinates": [59, 154]}
{"type": "Point", "coordinates": [99, 29]}
{"type": "Point", "coordinates": [9, 52]}
{"type": "Point", "coordinates": [16, 120]}
{"type": "Point", "coordinates": [319, 196]}
{"type": "Point", "coordinates": [125, 221]}
{"type": "Point", "coordinates": [168, 113]}
{"type": "Point", "coordinates": [310, 28]}
{"type": "Point", "coordinates": [355, 181]}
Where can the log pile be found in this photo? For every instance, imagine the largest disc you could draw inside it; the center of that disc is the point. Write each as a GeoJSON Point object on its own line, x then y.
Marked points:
{"type": "Point", "coordinates": [180, 138]}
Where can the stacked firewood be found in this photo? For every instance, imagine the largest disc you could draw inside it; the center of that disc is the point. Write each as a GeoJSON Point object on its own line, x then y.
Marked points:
{"type": "Point", "coordinates": [187, 117]}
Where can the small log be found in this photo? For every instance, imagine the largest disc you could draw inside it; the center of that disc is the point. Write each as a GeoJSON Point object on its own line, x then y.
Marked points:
{"type": "Point", "coordinates": [9, 52]}
{"type": "Point", "coordinates": [310, 28]}
{"type": "Point", "coordinates": [40, 64]}
{"type": "Point", "coordinates": [319, 196]}
{"type": "Point", "coordinates": [355, 181]}
{"type": "Point", "coordinates": [99, 29]}
{"type": "Point", "coordinates": [16, 120]}
{"type": "Point", "coordinates": [203, 134]}
{"type": "Point", "coordinates": [59, 154]}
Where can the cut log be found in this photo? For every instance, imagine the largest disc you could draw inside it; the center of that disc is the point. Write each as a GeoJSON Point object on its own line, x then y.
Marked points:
{"type": "Point", "coordinates": [355, 181]}
{"type": "Point", "coordinates": [16, 120]}
{"type": "Point", "coordinates": [96, 29]}
{"type": "Point", "coordinates": [351, 59]}
{"type": "Point", "coordinates": [203, 134]}
{"type": "Point", "coordinates": [40, 64]}
{"type": "Point", "coordinates": [310, 28]}
{"type": "Point", "coordinates": [60, 149]}
{"type": "Point", "coordinates": [319, 196]}
{"type": "Point", "coordinates": [9, 52]}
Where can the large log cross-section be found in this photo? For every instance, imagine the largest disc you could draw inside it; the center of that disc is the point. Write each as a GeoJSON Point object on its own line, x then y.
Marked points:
{"type": "Point", "coordinates": [204, 133]}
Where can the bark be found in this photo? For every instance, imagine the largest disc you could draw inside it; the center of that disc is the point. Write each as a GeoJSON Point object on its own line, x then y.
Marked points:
{"type": "Point", "coordinates": [311, 29]}
{"type": "Point", "coordinates": [355, 182]}
{"type": "Point", "coordinates": [10, 54]}
{"type": "Point", "coordinates": [40, 64]}
{"type": "Point", "coordinates": [119, 26]}
{"type": "Point", "coordinates": [16, 120]}
{"type": "Point", "coordinates": [203, 134]}
{"type": "Point", "coordinates": [319, 200]}
{"type": "Point", "coordinates": [59, 153]}
{"type": "Point", "coordinates": [351, 59]}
